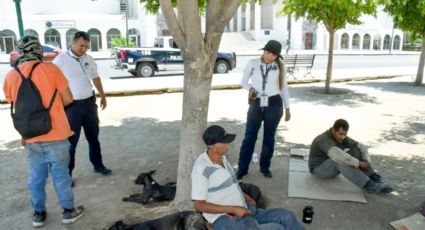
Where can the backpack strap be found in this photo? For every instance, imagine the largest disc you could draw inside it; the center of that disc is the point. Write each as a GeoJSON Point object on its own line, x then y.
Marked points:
{"type": "Point", "coordinates": [32, 69]}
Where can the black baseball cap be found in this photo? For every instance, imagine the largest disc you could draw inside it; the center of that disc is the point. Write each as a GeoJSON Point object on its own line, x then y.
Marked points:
{"type": "Point", "coordinates": [216, 134]}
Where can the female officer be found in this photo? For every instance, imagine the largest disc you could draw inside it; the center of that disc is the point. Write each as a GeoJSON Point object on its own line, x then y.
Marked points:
{"type": "Point", "coordinates": [265, 80]}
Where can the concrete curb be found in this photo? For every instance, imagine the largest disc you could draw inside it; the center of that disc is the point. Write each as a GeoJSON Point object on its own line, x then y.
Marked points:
{"type": "Point", "coordinates": [231, 86]}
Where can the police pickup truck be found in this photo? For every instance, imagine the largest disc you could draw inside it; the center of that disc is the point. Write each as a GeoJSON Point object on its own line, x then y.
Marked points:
{"type": "Point", "coordinates": [164, 56]}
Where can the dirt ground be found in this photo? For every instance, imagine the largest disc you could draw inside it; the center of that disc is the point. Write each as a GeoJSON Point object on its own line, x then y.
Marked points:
{"type": "Point", "coordinates": [141, 133]}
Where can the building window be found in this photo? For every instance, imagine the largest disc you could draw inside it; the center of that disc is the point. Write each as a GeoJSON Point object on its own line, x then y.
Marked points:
{"type": "Point", "coordinates": [134, 36]}
{"type": "Point", "coordinates": [366, 42]}
{"type": "Point", "coordinates": [377, 42]}
{"type": "Point", "coordinates": [396, 44]}
{"type": "Point", "coordinates": [344, 41]}
{"type": "Point", "coordinates": [267, 15]}
{"type": "Point", "coordinates": [7, 41]}
{"type": "Point", "coordinates": [52, 37]}
{"type": "Point", "coordinates": [31, 32]}
{"type": "Point", "coordinates": [387, 42]}
{"type": "Point", "coordinates": [356, 42]}
{"type": "Point", "coordinates": [70, 36]}
{"type": "Point", "coordinates": [95, 40]}
{"type": "Point", "coordinates": [111, 35]}
{"type": "Point", "coordinates": [252, 15]}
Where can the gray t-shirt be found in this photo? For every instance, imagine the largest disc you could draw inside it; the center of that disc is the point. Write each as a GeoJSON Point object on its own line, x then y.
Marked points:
{"type": "Point", "coordinates": [320, 147]}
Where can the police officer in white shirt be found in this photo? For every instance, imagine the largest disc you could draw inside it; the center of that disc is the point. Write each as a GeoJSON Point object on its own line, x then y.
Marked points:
{"type": "Point", "coordinates": [81, 71]}
{"type": "Point", "coordinates": [265, 79]}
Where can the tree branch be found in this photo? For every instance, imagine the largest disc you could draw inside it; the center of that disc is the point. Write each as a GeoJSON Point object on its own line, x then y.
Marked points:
{"type": "Point", "coordinates": [172, 23]}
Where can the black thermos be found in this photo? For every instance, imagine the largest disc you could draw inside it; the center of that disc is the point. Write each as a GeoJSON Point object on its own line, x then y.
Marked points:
{"type": "Point", "coordinates": [308, 214]}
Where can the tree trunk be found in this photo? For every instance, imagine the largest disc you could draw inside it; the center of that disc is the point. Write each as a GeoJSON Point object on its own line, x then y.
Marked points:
{"type": "Point", "coordinates": [420, 73]}
{"type": "Point", "coordinates": [197, 85]}
{"type": "Point", "coordinates": [330, 60]}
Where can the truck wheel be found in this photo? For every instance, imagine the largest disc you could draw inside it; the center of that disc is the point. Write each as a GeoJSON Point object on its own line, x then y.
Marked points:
{"type": "Point", "coordinates": [221, 66]}
{"type": "Point", "coordinates": [145, 69]}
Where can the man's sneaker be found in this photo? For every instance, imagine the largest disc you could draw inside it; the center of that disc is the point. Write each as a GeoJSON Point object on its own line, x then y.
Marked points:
{"type": "Point", "coordinates": [376, 188]}
{"type": "Point", "coordinates": [240, 174]}
{"type": "Point", "coordinates": [267, 173]}
{"type": "Point", "coordinates": [375, 177]}
{"type": "Point", "coordinates": [38, 218]}
{"type": "Point", "coordinates": [103, 170]}
{"type": "Point", "coordinates": [71, 215]}
{"type": "Point", "coordinates": [72, 183]}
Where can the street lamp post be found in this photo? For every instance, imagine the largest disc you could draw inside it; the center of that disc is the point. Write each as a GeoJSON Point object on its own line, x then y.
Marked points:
{"type": "Point", "coordinates": [126, 22]}
{"type": "Point", "coordinates": [19, 16]}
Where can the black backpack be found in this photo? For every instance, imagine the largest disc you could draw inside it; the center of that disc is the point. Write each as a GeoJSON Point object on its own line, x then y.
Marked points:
{"type": "Point", "coordinates": [31, 118]}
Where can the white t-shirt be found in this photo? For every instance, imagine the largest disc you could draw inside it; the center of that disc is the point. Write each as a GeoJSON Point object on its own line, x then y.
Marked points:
{"type": "Point", "coordinates": [252, 77]}
{"type": "Point", "coordinates": [215, 184]}
{"type": "Point", "coordinates": [79, 71]}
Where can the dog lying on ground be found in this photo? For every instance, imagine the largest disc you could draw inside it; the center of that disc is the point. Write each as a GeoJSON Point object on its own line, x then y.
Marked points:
{"type": "Point", "coordinates": [176, 221]}
{"type": "Point", "coordinates": [152, 190]}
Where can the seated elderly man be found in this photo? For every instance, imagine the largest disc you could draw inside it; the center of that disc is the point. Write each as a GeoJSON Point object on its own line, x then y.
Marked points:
{"type": "Point", "coordinates": [333, 152]}
{"type": "Point", "coordinates": [217, 194]}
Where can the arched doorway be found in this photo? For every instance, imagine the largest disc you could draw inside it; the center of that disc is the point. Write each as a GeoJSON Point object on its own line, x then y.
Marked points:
{"type": "Point", "coordinates": [308, 41]}
{"type": "Point", "coordinates": [30, 32]}
{"type": "Point", "coordinates": [70, 36]}
{"type": "Point", "coordinates": [95, 40]}
{"type": "Point", "coordinates": [134, 36]}
{"type": "Point", "coordinates": [345, 39]}
{"type": "Point", "coordinates": [52, 37]}
{"type": "Point", "coordinates": [387, 42]}
{"type": "Point", "coordinates": [355, 45]}
{"type": "Point", "coordinates": [111, 35]}
{"type": "Point", "coordinates": [366, 42]}
{"type": "Point", "coordinates": [7, 41]}
{"type": "Point", "coordinates": [377, 42]}
{"type": "Point", "coordinates": [396, 43]}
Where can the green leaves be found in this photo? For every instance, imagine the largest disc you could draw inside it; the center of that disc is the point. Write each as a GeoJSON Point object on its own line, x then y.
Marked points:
{"type": "Point", "coordinates": [335, 14]}
{"type": "Point", "coordinates": [408, 15]}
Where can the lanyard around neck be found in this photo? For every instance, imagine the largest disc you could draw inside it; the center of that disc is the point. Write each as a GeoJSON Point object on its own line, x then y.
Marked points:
{"type": "Point", "coordinates": [265, 75]}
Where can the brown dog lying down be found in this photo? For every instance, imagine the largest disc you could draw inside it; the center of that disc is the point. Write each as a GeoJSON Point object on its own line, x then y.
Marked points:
{"type": "Point", "coordinates": [176, 221]}
{"type": "Point", "coordinates": [154, 191]}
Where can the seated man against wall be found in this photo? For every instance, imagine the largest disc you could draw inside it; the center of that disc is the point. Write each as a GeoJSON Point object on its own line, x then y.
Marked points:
{"type": "Point", "coordinates": [333, 152]}
{"type": "Point", "coordinates": [217, 194]}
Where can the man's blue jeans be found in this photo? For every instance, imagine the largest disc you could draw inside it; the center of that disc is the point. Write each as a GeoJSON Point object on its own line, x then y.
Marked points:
{"type": "Point", "coordinates": [270, 116]}
{"type": "Point", "coordinates": [83, 113]}
{"type": "Point", "coordinates": [43, 157]}
{"type": "Point", "coordinates": [277, 218]}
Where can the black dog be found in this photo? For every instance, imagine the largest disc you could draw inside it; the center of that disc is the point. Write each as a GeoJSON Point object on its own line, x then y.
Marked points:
{"type": "Point", "coordinates": [254, 192]}
{"type": "Point", "coordinates": [152, 190]}
{"type": "Point", "coordinates": [176, 221]}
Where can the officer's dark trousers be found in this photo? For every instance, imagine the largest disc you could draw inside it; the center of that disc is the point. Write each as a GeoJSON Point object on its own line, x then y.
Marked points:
{"type": "Point", "coordinates": [270, 116]}
{"type": "Point", "coordinates": [83, 113]}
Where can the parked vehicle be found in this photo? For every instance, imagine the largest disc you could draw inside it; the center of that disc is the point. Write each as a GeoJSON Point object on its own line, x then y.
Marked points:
{"type": "Point", "coordinates": [49, 53]}
{"type": "Point", "coordinates": [164, 56]}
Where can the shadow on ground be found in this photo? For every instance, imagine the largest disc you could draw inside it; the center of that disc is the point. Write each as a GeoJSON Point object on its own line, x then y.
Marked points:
{"type": "Point", "coordinates": [406, 131]}
{"type": "Point", "coordinates": [141, 144]}
{"type": "Point", "coordinates": [395, 87]}
{"type": "Point", "coordinates": [338, 96]}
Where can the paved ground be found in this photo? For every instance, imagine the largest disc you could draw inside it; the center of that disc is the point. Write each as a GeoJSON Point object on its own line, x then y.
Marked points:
{"type": "Point", "coordinates": [140, 133]}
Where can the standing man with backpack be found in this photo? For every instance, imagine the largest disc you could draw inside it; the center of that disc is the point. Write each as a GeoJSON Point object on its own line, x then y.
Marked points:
{"type": "Point", "coordinates": [81, 71]}
{"type": "Point", "coordinates": [38, 93]}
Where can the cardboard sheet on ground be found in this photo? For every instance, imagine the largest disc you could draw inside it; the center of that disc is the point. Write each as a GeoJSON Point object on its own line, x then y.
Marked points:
{"type": "Point", "coordinates": [413, 222]}
{"type": "Point", "coordinates": [303, 184]}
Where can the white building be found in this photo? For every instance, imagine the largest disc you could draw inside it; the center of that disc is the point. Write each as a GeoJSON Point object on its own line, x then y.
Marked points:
{"type": "Point", "coordinates": [262, 24]}
{"type": "Point", "coordinates": [55, 22]}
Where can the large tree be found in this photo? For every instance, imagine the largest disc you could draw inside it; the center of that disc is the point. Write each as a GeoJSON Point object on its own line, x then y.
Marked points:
{"type": "Point", "coordinates": [409, 15]}
{"type": "Point", "coordinates": [199, 51]}
{"type": "Point", "coordinates": [334, 14]}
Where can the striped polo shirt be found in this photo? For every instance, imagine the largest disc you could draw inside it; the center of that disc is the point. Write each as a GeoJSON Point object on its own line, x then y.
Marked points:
{"type": "Point", "coordinates": [215, 184]}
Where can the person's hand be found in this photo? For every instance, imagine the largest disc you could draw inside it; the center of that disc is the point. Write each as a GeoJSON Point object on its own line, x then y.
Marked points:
{"type": "Point", "coordinates": [364, 165]}
{"type": "Point", "coordinates": [287, 115]}
{"type": "Point", "coordinates": [250, 201]}
{"type": "Point", "coordinates": [241, 212]}
{"type": "Point", "coordinates": [252, 94]}
{"type": "Point", "coordinates": [103, 103]}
